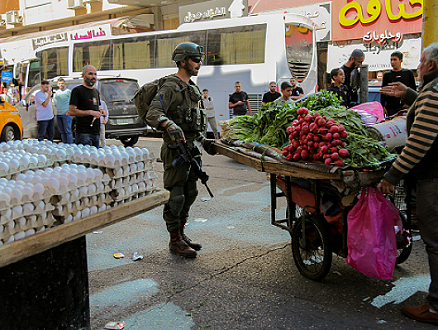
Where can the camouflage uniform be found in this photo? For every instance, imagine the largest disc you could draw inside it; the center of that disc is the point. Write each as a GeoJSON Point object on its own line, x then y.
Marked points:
{"type": "Point", "coordinates": [180, 101]}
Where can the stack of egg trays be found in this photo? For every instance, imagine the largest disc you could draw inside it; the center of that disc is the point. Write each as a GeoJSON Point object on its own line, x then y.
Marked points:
{"type": "Point", "coordinates": [83, 197]}
{"type": "Point", "coordinates": [131, 172]}
{"type": "Point", "coordinates": [17, 161]}
{"type": "Point", "coordinates": [25, 209]}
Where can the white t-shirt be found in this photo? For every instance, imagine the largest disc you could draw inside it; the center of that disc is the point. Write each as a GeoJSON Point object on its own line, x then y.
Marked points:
{"type": "Point", "coordinates": [43, 112]}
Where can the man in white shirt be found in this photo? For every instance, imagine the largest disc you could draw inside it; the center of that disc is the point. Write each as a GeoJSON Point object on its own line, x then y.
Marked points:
{"type": "Point", "coordinates": [44, 112]}
{"type": "Point", "coordinates": [211, 116]}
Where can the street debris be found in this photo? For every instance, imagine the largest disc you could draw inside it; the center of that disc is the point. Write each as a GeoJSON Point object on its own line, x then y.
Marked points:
{"type": "Point", "coordinates": [115, 325]}
{"type": "Point", "coordinates": [119, 255]}
{"type": "Point", "coordinates": [136, 257]}
{"type": "Point", "coordinates": [205, 199]}
{"type": "Point", "coordinates": [200, 220]}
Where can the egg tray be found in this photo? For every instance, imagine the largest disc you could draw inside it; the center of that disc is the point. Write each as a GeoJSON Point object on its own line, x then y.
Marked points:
{"type": "Point", "coordinates": [79, 214]}
{"type": "Point", "coordinates": [123, 171]}
{"type": "Point", "coordinates": [36, 198]}
{"type": "Point", "coordinates": [131, 198]}
{"type": "Point", "coordinates": [22, 168]}
{"type": "Point", "coordinates": [64, 209]}
{"type": "Point", "coordinates": [104, 161]}
{"type": "Point", "coordinates": [16, 228]}
{"type": "Point", "coordinates": [122, 193]}
{"type": "Point", "coordinates": [12, 213]}
{"type": "Point", "coordinates": [79, 193]}
{"type": "Point", "coordinates": [116, 183]}
{"type": "Point", "coordinates": [118, 195]}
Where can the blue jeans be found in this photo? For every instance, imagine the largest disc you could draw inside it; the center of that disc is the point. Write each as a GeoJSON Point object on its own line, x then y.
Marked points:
{"type": "Point", "coordinates": [46, 126]}
{"type": "Point", "coordinates": [427, 217]}
{"type": "Point", "coordinates": [64, 126]}
{"type": "Point", "coordinates": [87, 139]}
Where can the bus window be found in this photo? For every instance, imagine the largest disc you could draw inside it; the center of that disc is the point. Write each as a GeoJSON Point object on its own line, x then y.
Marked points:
{"type": "Point", "coordinates": [299, 46]}
{"type": "Point", "coordinates": [54, 62]}
{"type": "Point", "coordinates": [237, 45]}
{"type": "Point", "coordinates": [132, 53]}
{"type": "Point", "coordinates": [97, 54]}
{"type": "Point", "coordinates": [167, 43]}
{"type": "Point", "coordinates": [34, 76]}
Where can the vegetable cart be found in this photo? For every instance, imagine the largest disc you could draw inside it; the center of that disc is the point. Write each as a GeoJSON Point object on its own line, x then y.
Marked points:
{"type": "Point", "coordinates": [318, 199]}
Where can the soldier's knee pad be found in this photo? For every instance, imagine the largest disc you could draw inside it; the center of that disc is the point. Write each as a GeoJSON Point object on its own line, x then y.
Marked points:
{"type": "Point", "coordinates": [176, 200]}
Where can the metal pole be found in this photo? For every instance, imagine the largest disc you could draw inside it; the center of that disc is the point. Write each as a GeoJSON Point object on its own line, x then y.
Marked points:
{"type": "Point", "coordinates": [430, 22]}
{"type": "Point", "coordinates": [363, 83]}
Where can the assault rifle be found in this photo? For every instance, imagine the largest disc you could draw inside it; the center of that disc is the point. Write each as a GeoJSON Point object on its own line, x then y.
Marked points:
{"type": "Point", "coordinates": [187, 155]}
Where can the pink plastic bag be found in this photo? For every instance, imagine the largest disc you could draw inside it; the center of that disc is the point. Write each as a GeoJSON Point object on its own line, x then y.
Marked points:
{"type": "Point", "coordinates": [371, 241]}
{"type": "Point", "coordinates": [371, 107]}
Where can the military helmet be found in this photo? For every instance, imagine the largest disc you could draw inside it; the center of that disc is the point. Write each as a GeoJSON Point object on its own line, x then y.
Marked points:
{"type": "Point", "coordinates": [186, 49]}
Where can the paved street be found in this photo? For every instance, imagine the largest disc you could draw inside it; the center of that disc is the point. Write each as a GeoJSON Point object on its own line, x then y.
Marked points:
{"type": "Point", "coordinates": [244, 277]}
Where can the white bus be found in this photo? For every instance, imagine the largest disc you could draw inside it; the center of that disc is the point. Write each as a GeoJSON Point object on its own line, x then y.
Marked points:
{"type": "Point", "coordinates": [253, 50]}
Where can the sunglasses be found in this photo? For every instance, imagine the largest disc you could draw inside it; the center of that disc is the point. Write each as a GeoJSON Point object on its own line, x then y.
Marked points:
{"type": "Point", "coordinates": [196, 59]}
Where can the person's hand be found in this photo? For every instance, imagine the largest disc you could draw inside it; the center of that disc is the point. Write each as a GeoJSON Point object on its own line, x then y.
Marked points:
{"type": "Point", "coordinates": [50, 93]}
{"type": "Point", "coordinates": [240, 102]}
{"type": "Point", "coordinates": [385, 187]}
{"type": "Point", "coordinates": [175, 132]}
{"type": "Point", "coordinates": [396, 89]}
{"type": "Point", "coordinates": [207, 144]}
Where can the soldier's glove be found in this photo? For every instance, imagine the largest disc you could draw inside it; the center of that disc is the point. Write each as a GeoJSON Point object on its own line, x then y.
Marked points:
{"type": "Point", "coordinates": [207, 144]}
{"type": "Point", "coordinates": [175, 132]}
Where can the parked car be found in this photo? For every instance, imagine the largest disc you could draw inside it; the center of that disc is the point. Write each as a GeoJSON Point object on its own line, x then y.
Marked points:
{"type": "Point", "coordinates": [123, 124]}
{"type": "Point", "coordinates": [11, 127]}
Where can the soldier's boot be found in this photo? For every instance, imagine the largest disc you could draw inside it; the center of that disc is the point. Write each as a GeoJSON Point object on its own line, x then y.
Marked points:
{"type": "Point", "coordinates": [193, 245]}
{"type": "Point", "coordinates": [178, 246]}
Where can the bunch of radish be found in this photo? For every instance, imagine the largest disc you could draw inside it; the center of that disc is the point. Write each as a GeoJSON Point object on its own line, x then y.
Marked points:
{"type": "Point", "coordinates": [316, 138]}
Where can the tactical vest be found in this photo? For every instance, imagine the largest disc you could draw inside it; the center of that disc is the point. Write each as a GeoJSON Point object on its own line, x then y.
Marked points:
{"type": "Point", "coordinates": [190, 114]}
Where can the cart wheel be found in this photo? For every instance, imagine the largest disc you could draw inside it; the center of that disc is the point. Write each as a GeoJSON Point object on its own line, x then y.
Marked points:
{"type": "Point", "coordinates": [312, 255]}
{"type": "Point", "coordinates": [404, 247]}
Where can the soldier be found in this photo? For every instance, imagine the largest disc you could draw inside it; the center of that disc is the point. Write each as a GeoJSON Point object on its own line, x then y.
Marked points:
{"type": "Point", "coordinates": [177, 111]}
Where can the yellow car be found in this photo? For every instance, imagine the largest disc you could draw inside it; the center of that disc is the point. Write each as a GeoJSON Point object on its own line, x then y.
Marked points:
{"type": "Point", "coordinates": [11, 127]}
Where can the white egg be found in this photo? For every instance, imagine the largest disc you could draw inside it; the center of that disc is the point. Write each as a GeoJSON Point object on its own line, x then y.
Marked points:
{"type": "Point", "coordinates": [85, 212]}
{"type": "Point", "coordinates": [69, 218]}
{"type": "Point", "coordinates": [93, 210]}
{"type": "Point", "coordinates": [30, 232]}
{"type": "Point", "coordinates": [19, 235]}
{"type": "Point", "coordinates": [28, 208]}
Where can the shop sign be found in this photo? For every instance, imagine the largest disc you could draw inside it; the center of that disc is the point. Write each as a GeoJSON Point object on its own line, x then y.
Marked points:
{"type": "Point", "coordinates": [91, 33]}
{"type": "Point", "coordinates": [50, 39]}
{"type": "Point", "coordinates": [376, 21]}
{"type": "Point", "coordinates": [212, 10]}
{"type": "Point", "coordinates": [377, 57]}
{"type": "Point", "coordinates": [6, 77]}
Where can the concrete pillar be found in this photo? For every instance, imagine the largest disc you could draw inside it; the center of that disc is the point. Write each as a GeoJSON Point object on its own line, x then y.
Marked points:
{"type": "Point", "coordinates": [430, 22]}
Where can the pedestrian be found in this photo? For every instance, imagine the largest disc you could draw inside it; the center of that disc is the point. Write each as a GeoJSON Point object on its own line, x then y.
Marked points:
{"type": "Point", "coordinates": [44, 112]}
{"type": "Point", "coordinates": [5, 95]}
{"type": "Point", "coordinates": [272, 94]}
{"type": "Point", "coordinates": [286, 91]}
{"type": "Point", "coordinates": [211, 115]}
{"type": "Point", "coordinates": [419, 161]}
{"type": "Point", "coordinates": [103, 121]}
{"type": "Point", "coordinates": [62, 102]}
{"type": "Point", "coordinates": [391, 104]}
{"type": "Point", "coordinates": [297, 91]}
{"type": "Point", "coordinates": [337, 87]}
{"type": "Point", "coordinates": [84, 105]}
{"type": "Point", "coordinates": [239, 101]}
{"type": "Point", "coordinates": [177, 97]}
{"type": "Point", "coordinates": [352, 75]}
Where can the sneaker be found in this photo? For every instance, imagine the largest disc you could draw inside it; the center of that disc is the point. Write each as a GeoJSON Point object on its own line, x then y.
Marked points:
{"type": "Point", "coordinates": [421, 313]}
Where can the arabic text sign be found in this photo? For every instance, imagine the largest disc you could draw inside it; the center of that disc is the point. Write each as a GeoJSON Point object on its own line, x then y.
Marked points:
{"type": "Point", "coordinates": [365, 19]}
{"type": "Point", "coordinates": [50, 39]}
{"type": "Point", "coordinates": [213, 9]}
{"type": "Point", "coordinates": [91, 33]}
{"type": "Point", "coordinates": [377, 57]}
